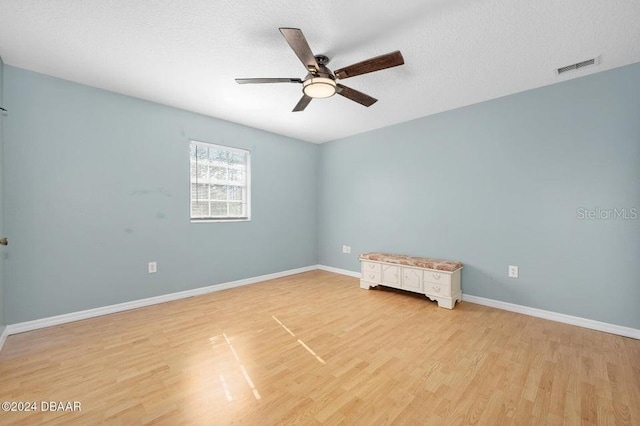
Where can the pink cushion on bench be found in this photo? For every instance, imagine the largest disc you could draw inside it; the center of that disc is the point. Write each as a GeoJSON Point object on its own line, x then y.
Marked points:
{"type": "Point", "coordinates": [418, 262]}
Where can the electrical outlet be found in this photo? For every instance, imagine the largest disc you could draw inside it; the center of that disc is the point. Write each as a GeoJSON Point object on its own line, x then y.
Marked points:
{"type": "Point", "coordinates": [348, 249]}
{"type": "Point", "coordinates": [344, 249]}
{"type": "Point", "coordinates": [513, 271]}
{"type": "Point", "coordinates": [153, 267]}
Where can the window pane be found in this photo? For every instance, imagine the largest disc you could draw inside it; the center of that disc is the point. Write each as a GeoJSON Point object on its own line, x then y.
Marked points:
{"type": "Point", "coordinates": [218, 208]}
{"type": "Point", "coordinates": [236, 193]}
{"type": "Point", "coordinates": [219, 192]}
{"type": "Point", "coordinates": [202, 171]}
{"type": "Point", "coordinates": [237, 158]}
{"type": "Point", "coordinates": [218, 155]}
{"type": "Point", "coordinates": [235, 209]}
{"type": "Point", "coordinates": [202, 153]}
{"type": "Point", "coordinates": [219, 173]}
{"type": "Point", "coordinates": [202, 191]}
{"type": "Point", "coordinates": [236, 175]}
{"type": "Point", "coordinates": [200, 209]}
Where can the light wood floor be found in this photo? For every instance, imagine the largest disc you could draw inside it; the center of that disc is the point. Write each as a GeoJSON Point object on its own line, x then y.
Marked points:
{"type": "Point", "coordinates": [314, 348]}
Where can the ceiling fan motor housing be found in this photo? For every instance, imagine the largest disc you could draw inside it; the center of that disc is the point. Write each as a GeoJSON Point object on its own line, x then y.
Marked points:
{"type": "Point", "coordinates": [322, 59]}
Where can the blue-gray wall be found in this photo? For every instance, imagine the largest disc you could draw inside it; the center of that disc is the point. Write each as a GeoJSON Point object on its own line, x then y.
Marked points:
{"type": "Point", "coordinates": [500, 183]}
{"type": "Point", "coordinates": [97, 185]}
{"type": "Point", "coordinates": [3, 321]}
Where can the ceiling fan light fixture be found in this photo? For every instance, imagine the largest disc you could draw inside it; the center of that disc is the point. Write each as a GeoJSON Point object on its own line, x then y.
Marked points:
{"type": "Point", "coordinates": [319, 87]}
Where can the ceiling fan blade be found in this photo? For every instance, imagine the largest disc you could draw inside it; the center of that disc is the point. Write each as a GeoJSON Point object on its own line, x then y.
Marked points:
{"type": "Point", "coordinates": [302, 103]}
{"type": "Point", "coordinates": [356, 96]}
{"type": "Point", "coordinates": [267, 80]}
{"type": "Point", "coordinates": [378, 63]}
{"type": "Point", "coordinates": [299, 44]}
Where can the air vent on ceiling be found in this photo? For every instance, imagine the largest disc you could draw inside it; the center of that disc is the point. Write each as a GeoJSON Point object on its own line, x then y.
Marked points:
{"type": "Point", "coordinates": [579, 65]}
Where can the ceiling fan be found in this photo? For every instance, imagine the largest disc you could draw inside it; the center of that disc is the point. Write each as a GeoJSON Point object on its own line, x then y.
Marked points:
{"type": "Point", "coordinates": [320, 82]}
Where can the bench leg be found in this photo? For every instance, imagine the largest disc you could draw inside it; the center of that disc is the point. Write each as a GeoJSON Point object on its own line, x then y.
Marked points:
{"type": "Point", "coordinates": [446, 303]}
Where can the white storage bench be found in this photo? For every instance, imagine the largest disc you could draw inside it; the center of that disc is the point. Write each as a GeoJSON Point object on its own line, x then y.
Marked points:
{"type": "Point", "coordinates": [435, 278]}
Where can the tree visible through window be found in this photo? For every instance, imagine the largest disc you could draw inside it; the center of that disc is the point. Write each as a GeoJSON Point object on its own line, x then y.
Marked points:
{"type": "Point", "coordinates": [220, 182]}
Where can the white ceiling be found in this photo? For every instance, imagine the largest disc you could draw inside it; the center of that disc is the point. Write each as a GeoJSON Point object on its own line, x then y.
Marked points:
{"type": "Point", "coordinates": [187, 53]}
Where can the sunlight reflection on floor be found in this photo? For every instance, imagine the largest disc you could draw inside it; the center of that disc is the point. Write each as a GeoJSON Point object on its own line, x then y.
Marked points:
{"type": "Point", "coordinates": [304, 345]}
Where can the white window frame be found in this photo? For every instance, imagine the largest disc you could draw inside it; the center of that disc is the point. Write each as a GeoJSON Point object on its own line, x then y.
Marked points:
{"type": "Point", "coordinates": [248, 184]}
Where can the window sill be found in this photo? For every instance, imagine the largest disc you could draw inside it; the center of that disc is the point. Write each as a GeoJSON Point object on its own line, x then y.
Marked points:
{"type": "Point", "coordinates": [219, 220]}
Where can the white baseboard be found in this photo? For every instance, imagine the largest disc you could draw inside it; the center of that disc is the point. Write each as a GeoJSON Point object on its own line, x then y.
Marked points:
{"type": "Point", "coordinates": [105, 310]}
{"type": "Point", "coordinates": [340, 271]}
{"type": "Point", "coordinates": [534, 312]}
{"type": "Point", "coordinates": [3, 336]}
{"type": "Point", "coordinates": [554, 316]}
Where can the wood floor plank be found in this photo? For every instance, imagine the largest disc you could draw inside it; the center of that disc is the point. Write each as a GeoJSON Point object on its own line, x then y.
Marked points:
{"type": "Point", "coordinates": [314, 348]}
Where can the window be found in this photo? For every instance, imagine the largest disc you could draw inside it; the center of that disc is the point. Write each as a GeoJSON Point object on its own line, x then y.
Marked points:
{"type": "Point", "coordinates": [220, 182]}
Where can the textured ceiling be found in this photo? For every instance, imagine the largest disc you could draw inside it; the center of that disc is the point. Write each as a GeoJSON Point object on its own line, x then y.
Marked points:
{"type": "Point", "coordinates": [187, 53]}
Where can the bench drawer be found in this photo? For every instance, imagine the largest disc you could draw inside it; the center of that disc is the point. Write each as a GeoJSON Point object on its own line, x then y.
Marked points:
{"type": "Point", "coordinates": [441, 289]}
{"type": "Point", "coordinates": [371, 276]}
{"type": "Point", "coordinates": [436, 277]}
{"type": "Point", "coordinates": [371, 267]}
{"type": "Point", "coordinates": [372, 272]}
